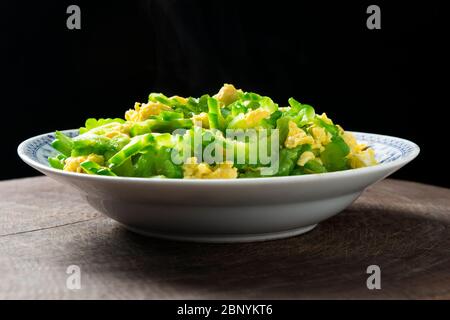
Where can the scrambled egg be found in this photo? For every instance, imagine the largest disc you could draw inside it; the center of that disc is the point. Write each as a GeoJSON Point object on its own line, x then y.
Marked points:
{"type": "Point", "coordinates": [297, 136]}
{"type": "Point", "coordinates": [227, 94]}
{"type": "Point", "coordinates": [305, 157]}
{"type": "Point", "coordinates": [253, 117]}
{"type": "Point", "coordinates": [118, 129]}
{"type": "Point", "coordinates": [179, 99]}
{"type": "Point", "coordinates": [321, 137]}
{"type": "Point", "coordinates": [201, 118]}
{"type": "Point", "coordinates": [194, 170]}
{"type": "Point", "coordinates": [112, 134]}
{"type": "Point", "coordinates": [144, 111]}
{"type": "Point", "coordinates": [359, 156]}
{"type": "Point", "coordinates": [325, 119]}
{"type": "Point", "coordinates": [318, 137]}
{"type": "Point", "coordinates": [72, 164]}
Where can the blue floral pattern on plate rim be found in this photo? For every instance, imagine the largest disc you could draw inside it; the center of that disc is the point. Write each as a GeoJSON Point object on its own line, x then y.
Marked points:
{"type": "Point", "coordinates": [387, 149]}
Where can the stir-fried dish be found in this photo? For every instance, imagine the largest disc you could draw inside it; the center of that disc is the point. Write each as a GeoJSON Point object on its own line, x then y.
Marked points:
{"type": "Point", "coordinates": [232, 134]}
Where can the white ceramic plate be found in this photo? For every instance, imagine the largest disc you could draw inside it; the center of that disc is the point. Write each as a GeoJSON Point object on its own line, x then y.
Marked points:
{"type": "Point", "coordinates": [225, 210]}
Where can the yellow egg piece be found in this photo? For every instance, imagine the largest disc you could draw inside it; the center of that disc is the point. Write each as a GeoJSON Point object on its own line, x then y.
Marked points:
{"type": "Point", "coordinates": [201, 120]}
{"type": "Point", "coordinates": [362, 159]}
{"type": "Point", "coordinates": [359, 156]}
{"type": "Point", "coordinates": [321, 137]}
{"type": "Point", "coordinates": [253, 117]}
{"type": "Point", "coordinates": [305, 157]}
{"type": "Point", "coordinates": [194, 170]}
{"type": "Point", "coordinates": [297, 136]}
{"type": "Point", "coordinates": [143, 111]}
{"type": "Point", "coordinates": [72, 164]}
{"type": "Point", "coordinates": [227, 94]}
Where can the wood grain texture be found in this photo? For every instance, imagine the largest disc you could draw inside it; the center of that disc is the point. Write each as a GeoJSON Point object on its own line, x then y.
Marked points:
{"type": "Point", "coordinates": [403, 227]}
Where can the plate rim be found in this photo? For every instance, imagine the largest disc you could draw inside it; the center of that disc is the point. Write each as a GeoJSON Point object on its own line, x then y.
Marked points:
{"type": "Point", "coordinates": [402, 160]}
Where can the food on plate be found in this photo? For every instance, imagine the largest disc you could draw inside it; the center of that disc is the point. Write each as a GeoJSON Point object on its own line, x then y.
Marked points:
{"type": "Point", "coordinates": [232, 134]}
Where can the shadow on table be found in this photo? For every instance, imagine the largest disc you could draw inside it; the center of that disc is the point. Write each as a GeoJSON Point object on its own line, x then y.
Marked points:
{"type": "Point", "coordinates": [330, 261]}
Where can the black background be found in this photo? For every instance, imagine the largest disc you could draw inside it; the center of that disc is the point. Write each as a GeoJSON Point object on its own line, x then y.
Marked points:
{"type": "Point", "coordinates": [389, 81]}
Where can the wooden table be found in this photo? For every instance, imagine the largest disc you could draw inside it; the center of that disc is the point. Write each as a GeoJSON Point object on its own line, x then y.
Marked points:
{"type": "Point", "coordinates": [402, 227]}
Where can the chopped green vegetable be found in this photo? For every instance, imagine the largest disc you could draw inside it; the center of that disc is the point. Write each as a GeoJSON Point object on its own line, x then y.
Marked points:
{"type": "Point", "coordinates": [94, 168]}
{"type": "Point", "coordinates": [57, 162]}
{"type": "Point", "coordinates": [63, 143]}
